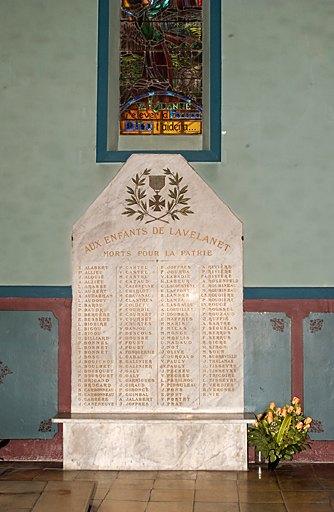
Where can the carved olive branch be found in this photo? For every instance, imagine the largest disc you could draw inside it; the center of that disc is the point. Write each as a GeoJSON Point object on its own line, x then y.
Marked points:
{"type": "Point", "coordinates": [177, 195]}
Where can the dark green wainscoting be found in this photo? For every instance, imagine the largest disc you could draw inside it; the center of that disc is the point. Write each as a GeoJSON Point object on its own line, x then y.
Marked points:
{"type": "Point", "coordinates": [318, 330]}
{"type": "Point", "coordinates": [267, 338]}
{"type": "Point", "coordinates": [289, 349]}
{"type": "Point", "coordinates": [28, 374]}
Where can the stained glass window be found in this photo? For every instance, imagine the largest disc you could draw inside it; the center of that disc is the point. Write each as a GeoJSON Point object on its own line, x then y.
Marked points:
{"type": "Point", "coordinates": [160, 67]}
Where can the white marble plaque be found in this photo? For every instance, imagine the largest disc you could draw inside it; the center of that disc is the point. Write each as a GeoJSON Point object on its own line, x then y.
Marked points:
{"type": "Point", "coordinates": [157, 295]}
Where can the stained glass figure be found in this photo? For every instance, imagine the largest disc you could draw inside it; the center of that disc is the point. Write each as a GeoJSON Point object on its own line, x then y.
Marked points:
{"type": "Point", "coordinates": [161, 67]}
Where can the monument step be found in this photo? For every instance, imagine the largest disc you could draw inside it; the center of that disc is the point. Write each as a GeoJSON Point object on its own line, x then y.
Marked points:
{"type": "Point", "coordinates": [155, 441]}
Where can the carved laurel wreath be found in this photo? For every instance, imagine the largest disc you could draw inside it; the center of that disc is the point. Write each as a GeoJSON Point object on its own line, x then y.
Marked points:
{"type": "Point", "coordinates": [178, 205]}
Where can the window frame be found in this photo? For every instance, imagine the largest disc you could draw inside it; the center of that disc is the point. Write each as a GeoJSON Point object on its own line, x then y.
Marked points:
{"type": "Point", "coordinates": [214, 151]}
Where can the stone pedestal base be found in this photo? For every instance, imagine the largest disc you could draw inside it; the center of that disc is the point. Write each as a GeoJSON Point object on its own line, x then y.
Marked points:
{"type": "Point", "coordinates": [155, 441]}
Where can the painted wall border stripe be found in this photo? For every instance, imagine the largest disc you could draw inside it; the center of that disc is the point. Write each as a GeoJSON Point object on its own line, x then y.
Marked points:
{"type": "Point", "coordinates": [252, 293]}
{"type": "Point", "coordinates": [289, 293]}
{"type": "Point", "coordinates": [37, 292]}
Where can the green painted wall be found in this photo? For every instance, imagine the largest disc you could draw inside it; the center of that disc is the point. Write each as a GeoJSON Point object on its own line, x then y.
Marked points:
{"type": "Point", "coordinates": [278, 113]}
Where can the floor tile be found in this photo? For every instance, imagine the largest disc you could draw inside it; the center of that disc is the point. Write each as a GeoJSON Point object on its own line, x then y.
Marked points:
{"type": "Point", "coordinates": [306, 497]}
{"type": "Point", "coordinates": [305, 488]}
{"type": "Point", "coordinates": [167, 506]}
{"type": "Point", "coordinates": [56, 474]}
{"type": "Point", "coordinates": [172, 495]}
{"type": "Point", "coordinates": [217, 475]}
{"type": "Point", "coordinates": [137, 475]}
{"type": "Point", "coordinates": [263, 507]}
{"type": "Point", "coordinates": [327, 475]}
{"type": "Point", "coordinates": [258, 485]}
{"type": "Point", "coordinates": [132, 484]}
{"type": "Point", "coordinates": [11, 509]}
{"type": "Point", "coordinates": [252, 496]}
{"type": "Point", "coordinates": [296, 470]}
{"type": "Point", "coordinates": [94, 505]}
{"type": "Point", "coordinates": [96, 476]}
{"type": "Point", "coordinates": [294, 466]}
{"type": "Point", "coordinates": [32, 464]}
{"type": "Point", "coordinates": [303, 475]}
{"type": "Point", "coordinates": [6, 465]}
{"type": "Point", "coordinates": [10, 501]}
{"type": "Point", "coordinates": [101, 490]}
{"type": "Point", "coordinates": [168, 483]}
{"type": "Point", "coordinates": [265, 476]}
{"type": "Point", "coordinates": [216, 495]}
{"type": "Point", "coordinates": [309, 507]}
{"type": "Point", "coordinates": [324, 467]}
{"type": "Point", "coordinates": [21, 474]}
{"type": "Point", "coordinates": [53, 465]}
{"type": "Point", "coordinates": [75, 487]}
{"type": "Point", "coordinates": [18, 487]}
{"type": "Point", "coordinates": [227, 486]}
{"type": "Point", "coordinates": [63, 500]}
{"type": "Point", "coordinates": [122, 506]}
{"type": "Point", "coordinates": [128, 495]}
{"type": "Point", "coordinates": [331, 499]}
{"type": "Point", "coordinates": [216, 507]}
{"type": "Point", "coordinates": [295, 484]}
{"type": "Point", "coordinates": [180, 475]}
{"type": "Point", "coordinates": [326, 483]}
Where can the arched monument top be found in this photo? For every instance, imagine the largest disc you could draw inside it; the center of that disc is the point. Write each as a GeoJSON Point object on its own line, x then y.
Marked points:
{"type": "Point", "coordinates": [112, 199]}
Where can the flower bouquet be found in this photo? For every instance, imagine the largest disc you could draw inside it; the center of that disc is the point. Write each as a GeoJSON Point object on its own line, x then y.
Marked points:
{"type": "Point", "coordinates": [280, 432]}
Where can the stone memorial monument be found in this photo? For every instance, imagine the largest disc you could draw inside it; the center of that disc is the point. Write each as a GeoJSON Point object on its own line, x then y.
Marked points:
{"type": "Point", "coordinates": [157, 325]}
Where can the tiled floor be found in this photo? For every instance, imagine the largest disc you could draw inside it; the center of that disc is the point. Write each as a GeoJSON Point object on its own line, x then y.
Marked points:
{"type": "Point", "coordinates": [291, 488]}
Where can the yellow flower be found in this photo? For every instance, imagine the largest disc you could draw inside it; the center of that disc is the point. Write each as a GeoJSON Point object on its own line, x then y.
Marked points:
{"type": "Point", "coordinates": [272, 405]}
{"type": "Point", "coordinates": [256, 424]}
{"type": "Point", "coordinates": [306, 427]}
{"type": "Point", "coordinates": [290, 409]}
{"type": "Point", "coordinates": [308, 420]}
{"type": "Point", "coordinates": [298, 410]}
{"type": "Point", "coordinates": [299, 425]}
{"type": "Point", "coordinates": [284, 412]}
{"type": "Point", "coordinates": [295, 400]}
{"type": "Point", "coordinates": [270, 417]}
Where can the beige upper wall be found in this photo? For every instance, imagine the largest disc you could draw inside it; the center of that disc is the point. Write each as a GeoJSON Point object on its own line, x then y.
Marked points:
{"type": "Point", "coordinates": [279, 148]}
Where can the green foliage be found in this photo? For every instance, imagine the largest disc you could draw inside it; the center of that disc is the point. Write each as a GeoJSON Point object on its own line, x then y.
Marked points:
{"type": "Point", "coordinates": [279, 433]}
